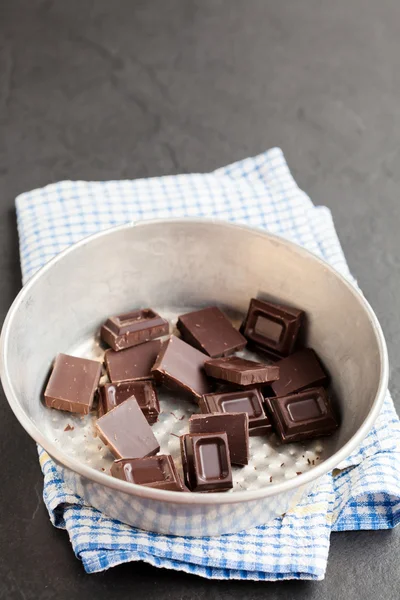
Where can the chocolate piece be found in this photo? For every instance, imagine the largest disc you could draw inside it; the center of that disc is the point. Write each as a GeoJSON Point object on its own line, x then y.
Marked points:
{"type": "Point", "coordinates": [241, 371]}
{"type": "Point", "coordinates": [153, 471]}
{"type": "Point", "coordinates": [236, 427]}
{"type": "Point", "coordinates": [113, 394]}
{"type": "Point", "coordinates": [210, 331]}
{"type": "Point", "coordinates": [132, 364]}
{"type": "Point", "coordinates": [133, 328]}
{"type": "Point", "coordinates": [299, 371]}
{"type": "Point", "coordinates": [180, 366]}
{"type": "Point", "coordinates": [302, 416]}
{"type": "Point", "coordinates": [72, 384]}
{"type": "Point", "coordinates": [248, 401]}
{"type": "Point", "coordinates": [206, 462]}
{"type": "Point", "coordinates": [126, 432]}
{"type": "Point", "coordinates": [272, 327]}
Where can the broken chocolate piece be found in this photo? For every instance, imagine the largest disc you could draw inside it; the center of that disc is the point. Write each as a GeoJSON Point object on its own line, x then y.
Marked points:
{"type": "Point", "coordinates": [241, 371]}
{"type": "Point", "coordinates": [180, 366]}
{"type": "Point", "coordinates": [302, 416]}
{"type": "Point", "coordinates": [126, 432]}
{"type": "Point", "coordinates": [113, 394]}
{"type": "Point", "coordinates": [236, 427]}
{"type": "Point", "coordinates": [133, 328]}
{"type": "Point", "coordinates": [210, 331]}
{"type": "Point", "coordinates": [72, 384]}
{"type": "Point", "coordinates": [132, 364]}
{"type": "Point", "coordinates": [272, 327]}
{"type": "Point", "coordinates": [206, 462]}
{"type": "Point", "coordinates": [248, 401]}
{"type": "Point", "coordinates": [157, 472]}
{"type": "Point", "coordinates": [299, 371]}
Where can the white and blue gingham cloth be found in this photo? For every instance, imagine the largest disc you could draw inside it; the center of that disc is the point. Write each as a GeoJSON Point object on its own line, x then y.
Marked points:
{"type": "Point", "coordinates": [258, 191]}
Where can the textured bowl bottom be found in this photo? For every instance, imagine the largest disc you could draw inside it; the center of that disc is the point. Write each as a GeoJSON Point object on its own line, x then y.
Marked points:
{"type": "Point", "coordinates": [270, 461]}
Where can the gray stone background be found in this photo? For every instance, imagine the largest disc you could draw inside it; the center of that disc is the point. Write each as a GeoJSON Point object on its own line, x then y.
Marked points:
{"type": "Point", "coordinates": [100, 90]}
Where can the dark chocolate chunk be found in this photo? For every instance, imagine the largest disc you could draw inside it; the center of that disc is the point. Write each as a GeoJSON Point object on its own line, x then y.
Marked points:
{"type": "Point", "coordinates": [72, 384]}
{"type": "Point", "coordinates": [126, 432]}
{"type": "Point", "coordinates": [113, 394]}
{"type": "Point", "coordinates": [210, 331]}
{"type": "Point", "coordinates": [236, 427]}
{"type": "Point", "coordinates": [153, 471]}
{"type": "Point", "coordinates": [302, 416]}
{"type": "Point", "coordinates": [299, 371]}
{"type": "Point", "coordinates": [180, 366]}
{"type": "Point", "coordinates": [206, 462]}
{"type": "Point", "coordinates": [132, 364]}
{"type": "Point", "coordinates": [248, 401]}
{"type": "Point", "coordinates": [133, 328]}
{"type": "Point", "coordinates": [241, 371]}
{"type": "Point", "coordinates": [272, 327]}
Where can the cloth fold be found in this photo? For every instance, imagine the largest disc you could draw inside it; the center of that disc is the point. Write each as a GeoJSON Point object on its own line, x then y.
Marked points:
{"type": "Point", "coordinates": [364, 493]}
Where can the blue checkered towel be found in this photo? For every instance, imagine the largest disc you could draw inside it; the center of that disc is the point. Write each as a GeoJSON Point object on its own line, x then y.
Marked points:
{"type": "Point", "coordinates": [364, 494]}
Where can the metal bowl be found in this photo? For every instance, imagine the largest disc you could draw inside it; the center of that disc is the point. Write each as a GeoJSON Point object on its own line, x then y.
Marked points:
{"type": "Point", "coordinates": [170, 265]}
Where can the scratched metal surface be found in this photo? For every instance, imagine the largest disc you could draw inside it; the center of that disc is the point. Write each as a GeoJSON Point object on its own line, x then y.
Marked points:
{"type": "Point", "coordinates": [101, 90]}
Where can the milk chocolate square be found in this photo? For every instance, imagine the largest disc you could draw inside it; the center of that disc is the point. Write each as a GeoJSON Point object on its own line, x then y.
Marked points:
{"type": "Point", "coordinates": [158, 472]}
{"type": "Point", "coordinates": [272, 327]}
{"type": "Point", "coordinates": [248, 401]}
{"type": "Point", "coordinates": [300, 370]}
{"type": "Point", "coordinates": [241, 371]}
{"type": "Point", "coordinates": [180, 366]}
{"type": "Point", "coordinates": [132, 364]}
{"type": "Point", "coordinates": [236, 427]}
{"type": "Point", "coordinates": [206, 462]}
{"type": "Point", "coordinates": [113, 394]}
{"type": "Point", "coordinates": [72, 384]}
{"type": "Point", "coordinates": [133, 328]}
{"type": "Point", "coordinates": [126, 432]}
{"type": "Point", "coordinates": [302, 416]}
{"type": "Point", "coordinates": [211, 332]}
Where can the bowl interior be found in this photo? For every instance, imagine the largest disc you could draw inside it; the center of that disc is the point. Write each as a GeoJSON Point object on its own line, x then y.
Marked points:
{"type": "Point", "coordinates": [176, 264]}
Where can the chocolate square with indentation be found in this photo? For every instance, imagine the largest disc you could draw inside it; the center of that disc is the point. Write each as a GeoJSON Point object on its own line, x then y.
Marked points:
{"type": "Point", "coordinates": [302, 416]}
{"type": "Point", "coordinates": [274, 328]}
{"type": "Point", "coordinates": [236, 427]}
{"type": "Point", "coordinates": [113, 394]}
{"type": "Point", "coordinates": [133, 328]}
{"type": "Point", "coordinates": [206, 462]}
{"type": "Point", "coordinates": [153, 471]}
{"type": "Point", "coordinates": [248, 401]}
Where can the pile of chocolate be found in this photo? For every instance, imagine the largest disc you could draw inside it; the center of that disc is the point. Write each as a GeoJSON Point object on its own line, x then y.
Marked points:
{"type": "Point", "coordinates": [236, 397]}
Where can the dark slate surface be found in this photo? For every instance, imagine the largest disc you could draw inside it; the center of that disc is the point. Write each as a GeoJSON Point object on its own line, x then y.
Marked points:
{"type": "Point", "coordinates": [100, 90]}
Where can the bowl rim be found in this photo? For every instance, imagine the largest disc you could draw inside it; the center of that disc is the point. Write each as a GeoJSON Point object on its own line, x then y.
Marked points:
{"type": "Point", "coordinates": [187, 497]}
